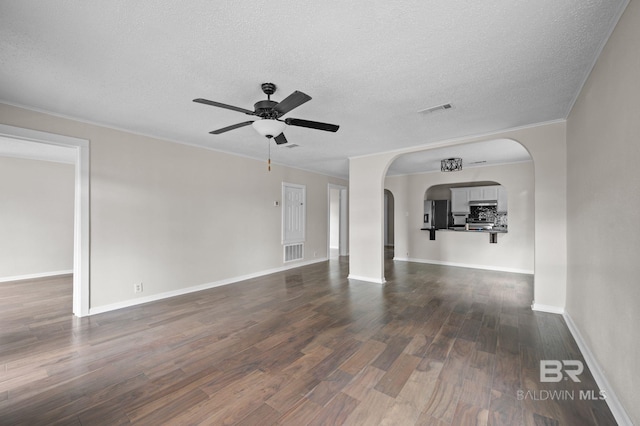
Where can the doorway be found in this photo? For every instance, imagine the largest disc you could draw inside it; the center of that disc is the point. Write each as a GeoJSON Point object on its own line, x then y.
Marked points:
{"type": "Point", "coordinates": [337, 244]}
{"type": "Point", "coordinates": [80, 151]}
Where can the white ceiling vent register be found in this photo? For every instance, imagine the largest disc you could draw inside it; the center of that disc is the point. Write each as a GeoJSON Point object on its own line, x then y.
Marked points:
{"type": "Point", "coordinates": [435, 108]}
{"type": "Point", "coordinates": [293, 252]}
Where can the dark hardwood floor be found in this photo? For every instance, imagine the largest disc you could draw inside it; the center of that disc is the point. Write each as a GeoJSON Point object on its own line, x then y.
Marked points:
{"type": "Point", "coordinates": [434, 346]}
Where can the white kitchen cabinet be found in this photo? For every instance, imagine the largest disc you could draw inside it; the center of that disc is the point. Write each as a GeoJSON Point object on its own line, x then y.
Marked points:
{"type": "Point", "coordinates": [483, 193]}
{"type": "Point", "coordinates": [490, 192]}
{"type": "Point", "coordinates": [460, 197]}
{"type": "Point", "coordinates": [460, 200]}
{"type": "Point", "coordinates": [475, 193]}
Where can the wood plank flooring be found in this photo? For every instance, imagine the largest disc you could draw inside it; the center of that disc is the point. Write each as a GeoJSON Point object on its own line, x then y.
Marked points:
{"type": "Point", "coordinates": [436, 345]}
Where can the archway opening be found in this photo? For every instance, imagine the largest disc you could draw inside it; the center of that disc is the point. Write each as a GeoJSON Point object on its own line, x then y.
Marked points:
{"type": "Point", "coordinates": [416, 177]}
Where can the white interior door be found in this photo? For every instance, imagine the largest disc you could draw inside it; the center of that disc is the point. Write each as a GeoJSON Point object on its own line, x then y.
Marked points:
{"type": "Point", "coordinates": [293, 213]}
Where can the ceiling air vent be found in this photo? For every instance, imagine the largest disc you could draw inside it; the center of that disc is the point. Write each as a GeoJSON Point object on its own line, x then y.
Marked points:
{"type": "Point", "coordinates": [291, 145]}
{"type": "Point", "coordinates": [435, 108]}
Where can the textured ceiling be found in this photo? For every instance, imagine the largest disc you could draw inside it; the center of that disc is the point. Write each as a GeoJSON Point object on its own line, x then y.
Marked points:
{"type": "Point", "coordinates": [368, 65]}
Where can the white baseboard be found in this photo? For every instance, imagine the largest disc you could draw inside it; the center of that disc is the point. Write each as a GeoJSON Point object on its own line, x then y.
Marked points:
{"type": "Point", "coordinates": [34, 276]}
{"type": "Point", "coordinates": [366, 279]}
{"type": "Point", "coordinates": [179, 292]}
{"type": "Point", "coordinates": [466, 265]}
{"type": "Point", "coordinates": [612, 400]}
{"type": "Point", "coordinates": [547, 308]}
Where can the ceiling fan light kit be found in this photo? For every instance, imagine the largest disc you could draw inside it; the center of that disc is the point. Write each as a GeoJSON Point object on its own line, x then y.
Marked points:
{"type": "Point", "coordinates": [269, 127]}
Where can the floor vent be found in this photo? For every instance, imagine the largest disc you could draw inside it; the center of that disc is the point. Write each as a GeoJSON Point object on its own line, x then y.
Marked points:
{"type": "Point", "coordinates": [293, 252]}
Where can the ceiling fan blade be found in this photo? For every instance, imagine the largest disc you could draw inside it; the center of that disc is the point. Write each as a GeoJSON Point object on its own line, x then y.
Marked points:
{"type": "Point", "coordinates": [232, 127]}
{"type": "Point", "coordinates": [312, 124]}
{"type": "Point", "coordinates": [280, 139]}
{"type": "Point", "coordinates": [292, 101]}
{"type": "Point", "coordinates": [221, 105]}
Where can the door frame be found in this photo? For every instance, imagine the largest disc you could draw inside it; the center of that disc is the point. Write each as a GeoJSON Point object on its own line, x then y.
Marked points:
{"type": "Point", "coordinates": [81, 217]}
{"type": "Point", "coordinates": [343, 239]}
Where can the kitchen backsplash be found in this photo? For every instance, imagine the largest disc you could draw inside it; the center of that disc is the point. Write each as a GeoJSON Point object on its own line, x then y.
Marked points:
{"type": "Point", "coordinates": [483, 213]}
{"type": "Point", "coordinates": [488, 214]}
{"type": "Point", "coordinates": [501, 220]}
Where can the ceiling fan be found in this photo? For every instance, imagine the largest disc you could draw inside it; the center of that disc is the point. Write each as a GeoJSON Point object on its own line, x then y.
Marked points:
{"type": "Point", "coordinates": [270, 112]}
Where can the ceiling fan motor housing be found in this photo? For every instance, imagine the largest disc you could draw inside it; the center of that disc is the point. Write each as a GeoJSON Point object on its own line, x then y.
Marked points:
{"type": "Point", "coordinates": [265, 109]}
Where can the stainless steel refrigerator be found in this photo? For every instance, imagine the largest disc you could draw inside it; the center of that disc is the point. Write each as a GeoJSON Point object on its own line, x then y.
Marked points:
{"type": "Point", "coordinates": [436, 214]}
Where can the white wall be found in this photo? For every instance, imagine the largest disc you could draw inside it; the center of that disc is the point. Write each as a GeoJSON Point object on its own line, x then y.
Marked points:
{"type": "Point", "coordinates": [174, 217]}
{"type": "Point", "coordinates": [36, 217]}
{"type": "Point", "coordinates": [366, 217]}
{"type": "Point", "coordinates": [603, 288]}
{"type": "Point", "coordinates": [514, 250]}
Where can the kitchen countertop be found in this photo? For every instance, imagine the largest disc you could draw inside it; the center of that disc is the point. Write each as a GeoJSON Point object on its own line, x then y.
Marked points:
{"type": "Point", "coordinates": [486, 231]}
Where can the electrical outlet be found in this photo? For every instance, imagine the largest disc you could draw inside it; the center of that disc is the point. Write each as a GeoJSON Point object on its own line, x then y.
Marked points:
{"type": "Point", "coordinates": [315, 254]}
{"type": "Point", "coordinates": [137, 288]}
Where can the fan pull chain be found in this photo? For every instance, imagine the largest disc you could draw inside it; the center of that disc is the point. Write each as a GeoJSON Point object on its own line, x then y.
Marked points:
{"type": "Point", "coordinates": [269, 161]}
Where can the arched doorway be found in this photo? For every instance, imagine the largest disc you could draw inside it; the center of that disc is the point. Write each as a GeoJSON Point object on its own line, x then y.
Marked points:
{"type": "Point", "coordinates": [511, 169]}
{"type": "Point", "coordinates": [368, 177]}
